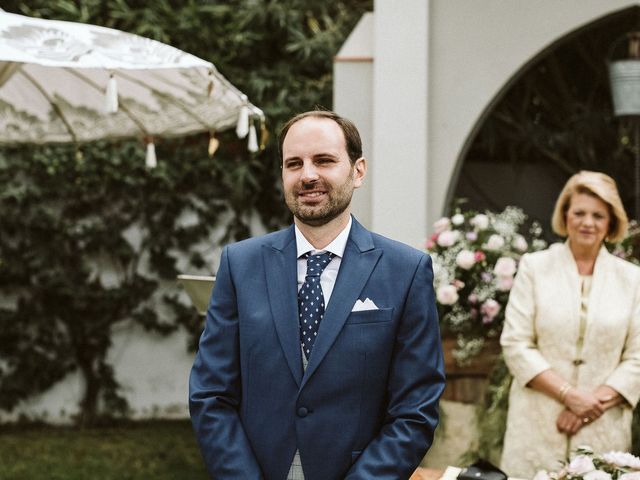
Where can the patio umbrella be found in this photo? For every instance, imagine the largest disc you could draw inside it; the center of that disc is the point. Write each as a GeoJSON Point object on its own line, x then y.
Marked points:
{"type": "Point", "coordinates": [70, 82]}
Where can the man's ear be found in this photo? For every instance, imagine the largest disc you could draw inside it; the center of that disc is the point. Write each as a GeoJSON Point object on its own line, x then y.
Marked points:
{"type": "Point", "coordinates": [359, 172]}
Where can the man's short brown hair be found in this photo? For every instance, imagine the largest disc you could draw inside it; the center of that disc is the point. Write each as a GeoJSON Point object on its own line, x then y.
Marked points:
{"type": "Point", "coordinates": [353, 143]}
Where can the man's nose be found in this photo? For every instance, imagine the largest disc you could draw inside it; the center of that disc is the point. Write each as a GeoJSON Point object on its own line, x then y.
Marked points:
{"type": "Point", "coordinates": [309, 172]}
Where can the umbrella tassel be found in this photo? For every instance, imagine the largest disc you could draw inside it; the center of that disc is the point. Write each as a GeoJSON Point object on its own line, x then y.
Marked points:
{"type": "Point", "coordinates": [151, 161]}
{"type": "Point", "coordinates": [253, 139]}
{"type": "Point", "coordinates": [111, 95]}
{"type": "Point", "coordinates": [264, 134]}
{"type": "Point", "coordinates": [242, 129]}
{"type": "Point", "coordinates": [213, 144]}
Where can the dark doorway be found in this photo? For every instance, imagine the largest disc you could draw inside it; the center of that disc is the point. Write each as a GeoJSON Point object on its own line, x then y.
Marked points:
{"type": "Point", "coordinates": [552, 119]}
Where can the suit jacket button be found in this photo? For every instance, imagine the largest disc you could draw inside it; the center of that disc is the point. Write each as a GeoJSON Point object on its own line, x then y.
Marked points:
{"type": "Point", "coordinates": [303, 412]}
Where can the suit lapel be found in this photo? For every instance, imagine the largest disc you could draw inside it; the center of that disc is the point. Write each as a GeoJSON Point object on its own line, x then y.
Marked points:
{"type": "Point", "coordinates": [280, 265]}
{"type": "Point", "coordinates": [358, 262]}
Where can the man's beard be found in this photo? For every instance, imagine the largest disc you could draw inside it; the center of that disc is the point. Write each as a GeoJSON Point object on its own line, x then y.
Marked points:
{"type": "Point", "coordinates": [337, 201]}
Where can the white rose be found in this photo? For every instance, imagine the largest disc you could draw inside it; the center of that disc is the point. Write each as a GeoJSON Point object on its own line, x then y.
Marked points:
{"type": "Point", "coordinates": [519, 243]}
{"type": "Point", "coordinates": [541, 475]}
{"type": "Point", "coordinates": [495, 242]}
{"type": "Point", "coordinates": [505, 267]}
{"type": "Point", "coordinates": [622, 459]}
{"type": "Point", "coordinates": [442, 225]}
{"type": "Point", "coordinates": [465, 259]}
{"type": "Point", "coordinates": [457, 219]}
{"type": "Point", "coordinates": [447, 295]}
{"type": "Point", "coordinates": [630, 476]}
{"type": "Point", "coordinates": [597, 475]}
{"type": "Point", "coordinates": [581, 465]}
{"type": "Point", "coordinates": [480, 221]}
{"type": "Point", "coordinates": [448, 238]}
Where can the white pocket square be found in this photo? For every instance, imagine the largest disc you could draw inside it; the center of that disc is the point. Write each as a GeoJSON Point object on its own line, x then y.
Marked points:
{"type": "Point", "coordinates": [360, 306]}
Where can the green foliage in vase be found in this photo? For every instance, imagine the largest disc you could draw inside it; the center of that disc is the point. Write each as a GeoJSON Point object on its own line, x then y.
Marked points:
{"type": "Point", "coordinates": [88, 239]}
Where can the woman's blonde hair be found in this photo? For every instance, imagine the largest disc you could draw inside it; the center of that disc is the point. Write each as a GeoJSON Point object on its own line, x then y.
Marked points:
{"type": "Point", "coordinates": [601, 186]}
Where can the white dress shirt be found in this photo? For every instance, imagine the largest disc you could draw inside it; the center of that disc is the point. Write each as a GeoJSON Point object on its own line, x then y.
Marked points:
{"type": "Point", "coordinates": [330, 273]}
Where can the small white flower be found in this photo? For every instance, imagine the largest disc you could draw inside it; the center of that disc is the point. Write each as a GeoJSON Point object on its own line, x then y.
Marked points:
{"type": "Point", "coordinates": [580, 465]}
{"type": "Point", "coordinates": [480, 221]}
{"type": "Point", "coordinates": [465, 259]}
{"type": "Point", "coordinates": [448, 238]}
{"type": "Point", "coordinates": [457, 219]}
{"type": "Point", "coordinates": [505, 267]}
{"type": "Point", "coordinates": [447, 295]}
{"type": "Point", "coordinates": [442, 225]}
{"type": "Point", "coordinates": [495, 242]}
{"type": "Point", "coordinates": [519, 243]}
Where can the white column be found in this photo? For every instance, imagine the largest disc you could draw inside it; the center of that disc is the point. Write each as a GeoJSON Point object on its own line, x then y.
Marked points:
{"type": "Point", "coordinates": [353, 99]}
{"type": "Point", "coordinates": [399, 197]}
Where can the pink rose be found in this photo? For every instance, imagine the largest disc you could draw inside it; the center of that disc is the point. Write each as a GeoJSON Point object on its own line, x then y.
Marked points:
{"type": "Point", "coordinates": [480, 256]}
{"type": "Point", "coordinates": [490, 309]}
{"type": "Point", "coordinates": [505, 267]}
{"type": "Point", "coordinates": [465, 259]}
{"type": "Point", "coordinates": [473, 298]}
{"type": "Point", "coordinates": [504, 284]}
{"type": "Point", "coordinates": [447, 295]}
{"type": "Point", "coordinates": [441, 225]}
{"type": "Point", "coordinates": [580, 465]}
{"type": "Point", "coordinates": [448, 238]}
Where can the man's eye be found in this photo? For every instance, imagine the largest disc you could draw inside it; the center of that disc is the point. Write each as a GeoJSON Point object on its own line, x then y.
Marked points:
{"type": "Point", "coordinates": [292, 164]}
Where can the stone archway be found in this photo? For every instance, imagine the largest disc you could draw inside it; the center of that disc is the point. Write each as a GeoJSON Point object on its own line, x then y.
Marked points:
{"type": "Point", "coordinates": [551, 119]}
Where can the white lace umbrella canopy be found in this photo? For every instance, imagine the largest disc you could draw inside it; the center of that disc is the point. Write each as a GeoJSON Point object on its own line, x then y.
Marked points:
{"type": "Point", "coordinates": [72, 82]}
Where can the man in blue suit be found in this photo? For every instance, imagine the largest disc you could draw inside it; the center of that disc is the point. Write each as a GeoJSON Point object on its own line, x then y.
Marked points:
{"type": "Point", "coordinates": [339, 377]}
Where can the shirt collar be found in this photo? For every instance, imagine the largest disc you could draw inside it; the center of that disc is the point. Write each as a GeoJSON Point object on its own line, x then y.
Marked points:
{"type": "Point", "coordinates": [336, 247]}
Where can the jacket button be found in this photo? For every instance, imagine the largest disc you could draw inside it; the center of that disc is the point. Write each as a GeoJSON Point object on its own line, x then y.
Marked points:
{"type": "Point", "coordinates": [303, 412]}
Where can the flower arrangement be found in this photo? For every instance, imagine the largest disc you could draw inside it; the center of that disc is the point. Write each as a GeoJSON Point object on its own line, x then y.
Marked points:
{"type": "Point", "coordinates": [587, 465]}
{"type": "Point", "coordinates": [629, 246]}
{"type": "Point", "coordinates": [475, 257]}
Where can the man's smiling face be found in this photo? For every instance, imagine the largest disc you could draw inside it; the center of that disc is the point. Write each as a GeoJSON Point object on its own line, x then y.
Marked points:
{"type": "Point", "coordinates": [317, 174]}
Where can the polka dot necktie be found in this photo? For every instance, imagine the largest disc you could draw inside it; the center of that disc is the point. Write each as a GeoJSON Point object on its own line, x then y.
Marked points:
{"type": "Point", "coordinates": [311, 300]}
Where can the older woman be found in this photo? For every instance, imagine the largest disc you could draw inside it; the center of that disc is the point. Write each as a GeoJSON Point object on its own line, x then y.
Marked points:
{"type": "Point", "coordinates": [572, 335]}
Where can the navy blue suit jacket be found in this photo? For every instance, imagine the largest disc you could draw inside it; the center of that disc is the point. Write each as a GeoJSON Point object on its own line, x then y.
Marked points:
{"type": "Point", "coordinates": [366, 407]}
